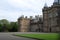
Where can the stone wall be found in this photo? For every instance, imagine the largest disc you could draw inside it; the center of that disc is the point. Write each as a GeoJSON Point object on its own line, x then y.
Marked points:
{"type": "Point", "coordinates": [50, 18]}
{"type": "Point", "coordinates": [24, 24]}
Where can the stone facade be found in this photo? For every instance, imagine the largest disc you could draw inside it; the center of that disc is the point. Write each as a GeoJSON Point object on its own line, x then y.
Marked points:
{"type": "Point", "coordinates": [49, 23]}
{"type": "Point", "coordinates": [51, 18]}
{"type": "Point", "coordinates": [29, 24]}
{"type": "Point", "coordinates": [23, 24]}
{"type": "Point", "coordinates": [36, 25]}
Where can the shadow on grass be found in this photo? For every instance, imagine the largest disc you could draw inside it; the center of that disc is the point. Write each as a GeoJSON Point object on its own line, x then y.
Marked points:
{"type": "Point", "coordinates": [29, 37]}
{"type": "Point", "coordinates": [58, 36]}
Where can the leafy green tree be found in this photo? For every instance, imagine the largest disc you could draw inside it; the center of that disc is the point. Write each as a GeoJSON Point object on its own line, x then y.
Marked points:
{"type": "Point", "coordinates": [4, 24]}
{"type": "Point", "coordinates": [0, 27]}
{"type": "Point", "coordinates": [14, 26]}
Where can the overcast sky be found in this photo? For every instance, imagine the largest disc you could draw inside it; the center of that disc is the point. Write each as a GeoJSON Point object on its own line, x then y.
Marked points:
{"type": "Point", "coordinates": [13, 9]}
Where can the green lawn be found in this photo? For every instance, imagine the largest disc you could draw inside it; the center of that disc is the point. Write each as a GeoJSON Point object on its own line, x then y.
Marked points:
{"type": "Point", "coordinates": [49, 36]}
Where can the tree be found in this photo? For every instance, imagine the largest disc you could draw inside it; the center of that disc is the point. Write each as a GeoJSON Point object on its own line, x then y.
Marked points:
{"type": "Point", "coordinates": [0, 27]}
{"type": "Point", "coordinates": [14, 26]}
{"type": "Point", "coordinates": [4, 24]}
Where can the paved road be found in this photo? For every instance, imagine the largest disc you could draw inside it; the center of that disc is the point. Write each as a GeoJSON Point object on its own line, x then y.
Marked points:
{"type": "Point", "coordinates": [9, 36]}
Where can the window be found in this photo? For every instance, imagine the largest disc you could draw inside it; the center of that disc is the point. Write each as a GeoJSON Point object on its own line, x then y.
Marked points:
{"type": "Point", "coordinates": [50, 14]}
{"type": "Point", "coordinates": [55, 14]}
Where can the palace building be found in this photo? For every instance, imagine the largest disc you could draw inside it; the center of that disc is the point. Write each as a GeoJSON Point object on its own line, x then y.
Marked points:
{"type": "Point", "coordinates": [51, 17]}
{"type": "Point", "coordinates": [50, 22]}
{"type": "Point", "coordinates": [30, 24]}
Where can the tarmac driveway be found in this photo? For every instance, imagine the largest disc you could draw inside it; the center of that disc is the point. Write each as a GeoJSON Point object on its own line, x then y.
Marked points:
{"type": "Point", "coordinates": [8, 36]}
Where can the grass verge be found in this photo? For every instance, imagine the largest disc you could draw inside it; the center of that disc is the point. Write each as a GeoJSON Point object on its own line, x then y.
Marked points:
{"type": "Point", "coordinates": [49, 36]}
